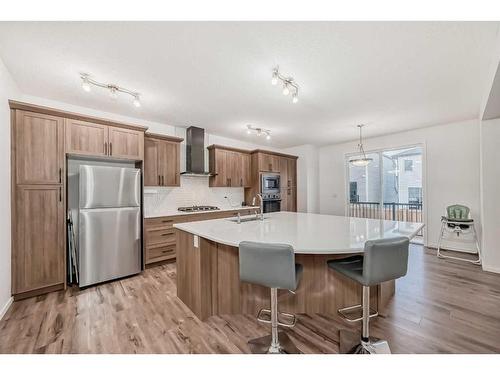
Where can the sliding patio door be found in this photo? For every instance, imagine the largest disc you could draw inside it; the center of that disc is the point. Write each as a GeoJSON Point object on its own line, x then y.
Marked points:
{"type": "Point", "coordinates": [390, 187]}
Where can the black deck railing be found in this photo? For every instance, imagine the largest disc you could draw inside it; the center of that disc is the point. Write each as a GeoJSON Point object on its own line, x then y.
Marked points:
{"type": "Point", "coordinates": [391, 211]}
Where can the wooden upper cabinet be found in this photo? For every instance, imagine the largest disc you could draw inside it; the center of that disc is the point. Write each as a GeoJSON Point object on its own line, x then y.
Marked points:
{"type": "Point", "coordinates": [218, 167]}
{"type": "Point", "coordinates": [169, 163]}
{"type": "Point", "coordinates": [86, 138]}
{"type": "Point", "coordinates": [161, 160]}
{"type": "Point", "coordinates": [125, 143]}
{"type": "Point", "coordinates": [230, 167]}
{"type": "Point", "coordinates": [38, 258]}
{"type": "Point", "coordinates": [284, 181]}
{"type": "Point", "coordinates": [268, 162]}
{"type": "Point", "coordinates": [151, 162]}
{"type": "Point", "coordinates": [39, 148]}
{"type": "Point", "coordinates": [288, 172]}
{"type": "Point", "coordinates": [246, 167]}
{"type": "Point", "coordinates": [292, 172]}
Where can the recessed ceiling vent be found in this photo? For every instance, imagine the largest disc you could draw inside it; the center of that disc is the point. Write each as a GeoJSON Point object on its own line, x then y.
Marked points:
{"type": "Point", "coordinates": [195, 153]}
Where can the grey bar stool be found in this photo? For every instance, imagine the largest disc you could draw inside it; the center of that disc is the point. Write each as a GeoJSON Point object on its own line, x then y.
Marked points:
{"type": "Point", "coordinates": [272, 266]}
{"type": "Point", "coordinates": [383, 260]}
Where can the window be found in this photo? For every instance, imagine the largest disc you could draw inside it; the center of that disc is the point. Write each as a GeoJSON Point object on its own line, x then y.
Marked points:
{"type": "Point", "coordinates": [415, 195]}
{"type": "Point", "coordinates": [408, 165]}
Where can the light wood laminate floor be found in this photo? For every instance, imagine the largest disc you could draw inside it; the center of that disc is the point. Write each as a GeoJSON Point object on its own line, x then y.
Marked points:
{"type": "Point", "coordinates": [441, 306]}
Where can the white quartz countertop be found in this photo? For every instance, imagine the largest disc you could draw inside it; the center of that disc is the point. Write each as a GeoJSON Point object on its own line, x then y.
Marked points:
{"type": "Point", "coordinates": [176, 212]}
{"type": "Point", "coordinates": [307, 233]}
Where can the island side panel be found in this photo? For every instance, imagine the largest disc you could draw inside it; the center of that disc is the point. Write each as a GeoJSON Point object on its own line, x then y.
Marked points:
{"type": "Point", "coordinates": [194, 275]}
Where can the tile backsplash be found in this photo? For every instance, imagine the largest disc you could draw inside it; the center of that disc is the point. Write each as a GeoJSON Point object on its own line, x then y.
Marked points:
{"type": "Point", "coordinates": [193, 191]}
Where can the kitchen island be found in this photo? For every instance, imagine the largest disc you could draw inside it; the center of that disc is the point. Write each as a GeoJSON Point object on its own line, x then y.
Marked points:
{"type": "Point", "coordinates": [208, 266]}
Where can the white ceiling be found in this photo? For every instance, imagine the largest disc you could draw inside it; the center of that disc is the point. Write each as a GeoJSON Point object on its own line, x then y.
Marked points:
{"type": "Point", "coordinates": [392, 76]}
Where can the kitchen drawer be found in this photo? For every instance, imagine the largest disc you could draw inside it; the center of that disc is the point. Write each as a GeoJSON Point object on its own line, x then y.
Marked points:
{"type": "Point", "coordinates": [160, 235]}
{"type": "Point", "coordinates": [158, 253]}
{"type": "Point", "coordinates": [166, 222]}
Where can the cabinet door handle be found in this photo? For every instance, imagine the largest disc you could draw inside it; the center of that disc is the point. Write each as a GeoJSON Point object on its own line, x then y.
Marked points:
{"type": "Point", "coordinates": [60, 177]}
{"type": "Point", "coordinates": [159, 180]}
{"type": "Point", "coordinates": [60, 194]}
{"type": "Point", "coordinates": [270, 167]}
{"type": "Point", "coordinates": [110, 148]}
{"type": "Point", "coordinates": [241, 182]}
{"type": "Point", "coordinates": [105, 148]}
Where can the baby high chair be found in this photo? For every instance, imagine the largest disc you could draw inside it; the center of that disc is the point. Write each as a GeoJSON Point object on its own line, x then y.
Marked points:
{"type": "Point", "coordinates": [458, 221]}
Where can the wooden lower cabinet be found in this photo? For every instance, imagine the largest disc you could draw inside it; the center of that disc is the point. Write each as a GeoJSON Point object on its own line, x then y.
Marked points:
{"type": "Point", "coordinates": [38, 252]}
{"type": "Point", "coordinates": [160, 236]}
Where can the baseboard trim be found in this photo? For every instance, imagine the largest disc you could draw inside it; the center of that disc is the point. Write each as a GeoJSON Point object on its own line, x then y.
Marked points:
{"type": "Point", "coordinates": [4, 309]}
{"type": "Point", "coordinates": [491, 269]}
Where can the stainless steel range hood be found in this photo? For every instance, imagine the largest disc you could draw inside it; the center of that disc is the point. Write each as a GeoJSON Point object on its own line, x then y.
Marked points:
{"type": "Point", "coordinates": [195, 153]}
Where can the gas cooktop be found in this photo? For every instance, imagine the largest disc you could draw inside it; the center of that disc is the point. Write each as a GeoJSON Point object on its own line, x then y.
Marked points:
{"type": "Point", "coordinates": [198, 208]}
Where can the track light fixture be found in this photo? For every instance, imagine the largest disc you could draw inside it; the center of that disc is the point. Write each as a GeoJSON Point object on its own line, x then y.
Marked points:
{"type": "Point", "coordinates": [87, 82]}
{"type": "Point", "coordinates": [289, 85]}
{"type": "Point", "coordinates": [259, 132]}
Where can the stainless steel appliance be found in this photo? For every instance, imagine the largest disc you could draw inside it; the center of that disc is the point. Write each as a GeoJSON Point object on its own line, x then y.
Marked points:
{"type": "Point", "coordinates": [109, 223]}
{"type": "Point", "coordinates": [198, 208]}
{"type": "Point", "coordinates": [271, 193]}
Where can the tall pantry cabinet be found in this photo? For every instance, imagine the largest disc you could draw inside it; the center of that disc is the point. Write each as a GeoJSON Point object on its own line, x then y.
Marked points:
{"type": "Point", "coordinates": [38, 189]}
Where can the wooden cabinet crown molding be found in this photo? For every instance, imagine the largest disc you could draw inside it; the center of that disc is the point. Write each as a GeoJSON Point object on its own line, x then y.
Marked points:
{"type": "Point", "coordinates": [163, 137]}
{"type": "Point", "coordinates": [13, 104]}
{"type": "Point", "coordinates": [242, 150]}
{"type": "Point", "coordinates": [228, 148]}
{"type": "Point", "coordinates": [274, 153]}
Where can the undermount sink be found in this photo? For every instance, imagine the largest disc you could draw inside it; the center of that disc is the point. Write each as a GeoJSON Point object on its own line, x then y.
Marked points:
{"type": "Point", "coordinates": [245, 219]}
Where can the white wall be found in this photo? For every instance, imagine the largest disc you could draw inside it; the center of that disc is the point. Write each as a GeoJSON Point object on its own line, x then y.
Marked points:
{"type": "Point", "coordinates": [307, 177]}
{"type": "Point", "coordinates": [490, 157]}
{"type": "Point", "coordinates": [451, 166]}
{"type": "Point", "coordinates": [8, 90]}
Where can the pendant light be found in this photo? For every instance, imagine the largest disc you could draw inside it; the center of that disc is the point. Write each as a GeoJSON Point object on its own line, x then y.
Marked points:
{"type": "Point", "coordinates": [362, 161]}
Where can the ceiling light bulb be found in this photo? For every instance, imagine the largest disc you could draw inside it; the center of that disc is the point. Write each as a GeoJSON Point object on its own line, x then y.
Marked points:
{"type": "Point", "coordinates": [112, 93]}
{"type": "Point", "coordinates": [286, 91]}
{"type": "Point", "coordinates": [249, 131]}
{"type": "Point", "coordinates": [268, 137]}
{"type": "Point", "coordinates": [259, 133]}
{"type": "Point", "coordinates": [295, 98]}
{"type": "Point", "coordinates": [274, 80]}
{"type": "Point", "coordinates": [137, 102]}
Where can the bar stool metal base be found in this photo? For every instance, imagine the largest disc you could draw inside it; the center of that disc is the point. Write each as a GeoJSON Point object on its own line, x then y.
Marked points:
{"type": "Point", "coordinates": [262, 345]}
{"type": "Point", "coordinates": [350, 343]}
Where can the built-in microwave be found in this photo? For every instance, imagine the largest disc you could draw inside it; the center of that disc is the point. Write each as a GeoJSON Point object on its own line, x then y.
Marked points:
{"type": "Point", "coordinates": [270, 183]}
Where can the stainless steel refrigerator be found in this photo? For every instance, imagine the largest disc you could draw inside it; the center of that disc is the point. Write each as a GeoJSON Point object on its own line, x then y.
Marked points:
{"type": "Point", "coordinates": [109, 223]}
